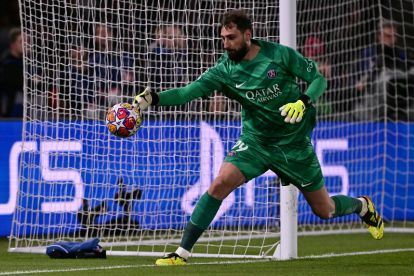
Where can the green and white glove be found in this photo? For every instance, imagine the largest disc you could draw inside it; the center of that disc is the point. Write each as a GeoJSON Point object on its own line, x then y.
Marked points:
{"type": "Point", "coordinates": [294, 111]}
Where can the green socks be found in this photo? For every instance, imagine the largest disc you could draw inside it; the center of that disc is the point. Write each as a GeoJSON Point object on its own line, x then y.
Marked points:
{"type": "Point", "coordinates": [207, 207]}
{"type": "Point", "coordinates": [203, 214]}
{"type": "Point", "coordinates": [345, 205]}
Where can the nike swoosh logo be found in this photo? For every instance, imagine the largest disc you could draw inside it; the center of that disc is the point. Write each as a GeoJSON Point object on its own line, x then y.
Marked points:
{"type": "Point", "coordinates": [307, 184]}
{"type": "Point", "coordinates": [238, 85]}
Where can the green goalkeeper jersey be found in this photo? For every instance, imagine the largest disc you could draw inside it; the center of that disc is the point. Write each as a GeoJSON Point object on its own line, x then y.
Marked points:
{"type": "Point", "coordinates": [261, 85]}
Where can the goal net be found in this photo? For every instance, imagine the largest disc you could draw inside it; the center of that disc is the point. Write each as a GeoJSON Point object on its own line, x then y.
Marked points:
{"type": "Point", "coordinates": [77, 181]}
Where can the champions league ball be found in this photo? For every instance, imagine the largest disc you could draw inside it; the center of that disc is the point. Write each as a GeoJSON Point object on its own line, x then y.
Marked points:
{"type": "Point", "coordinates": [123, 120]}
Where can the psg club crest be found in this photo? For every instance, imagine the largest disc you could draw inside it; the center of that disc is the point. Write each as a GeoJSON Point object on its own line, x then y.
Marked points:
{"type": "Point", "coordinates": [271, 74]}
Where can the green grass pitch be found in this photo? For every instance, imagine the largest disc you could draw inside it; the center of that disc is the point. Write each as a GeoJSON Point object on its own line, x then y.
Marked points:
{"type": "Point", "coordinates": [353, 254]}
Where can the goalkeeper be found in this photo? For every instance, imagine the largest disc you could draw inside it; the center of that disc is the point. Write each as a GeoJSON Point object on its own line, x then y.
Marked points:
{"type": "Point", "coordinates": [277, 122]}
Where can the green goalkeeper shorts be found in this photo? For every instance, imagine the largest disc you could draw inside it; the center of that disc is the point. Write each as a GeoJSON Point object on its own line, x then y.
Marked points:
{"type": "Point", "coordinates": [295, 164]}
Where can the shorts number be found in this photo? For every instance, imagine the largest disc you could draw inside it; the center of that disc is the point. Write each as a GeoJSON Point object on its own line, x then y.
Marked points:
{"type": "Point", "coordinates": [240, 146]}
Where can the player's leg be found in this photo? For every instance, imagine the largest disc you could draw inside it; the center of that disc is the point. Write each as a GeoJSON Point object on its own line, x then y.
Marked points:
{"type": "Point", "coordinates": [302, 169]}
{"type": "Point", "coordinates": [327, 207]}
{"type": "Point", "coordinates": [340, 205]}
{"type": "Point", "coordinates": [228, 179]}
{"type": "Point", "coordinates": [236, 169]}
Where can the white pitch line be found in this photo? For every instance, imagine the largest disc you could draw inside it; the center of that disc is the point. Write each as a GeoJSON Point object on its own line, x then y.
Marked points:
{"type": "Point", "coordinates": [323, 256]}
{"type": "Point", "coordinates": [356, 253]}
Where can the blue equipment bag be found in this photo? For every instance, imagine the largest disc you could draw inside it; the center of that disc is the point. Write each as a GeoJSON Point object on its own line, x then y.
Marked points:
{"type": "Point", "coordinates": [76, 250]}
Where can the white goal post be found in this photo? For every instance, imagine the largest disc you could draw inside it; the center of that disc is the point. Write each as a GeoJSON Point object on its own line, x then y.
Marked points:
{"type": "Point", "coordinates": [288, 246]}
{"type": "Point", "coordinates": [75, 181]}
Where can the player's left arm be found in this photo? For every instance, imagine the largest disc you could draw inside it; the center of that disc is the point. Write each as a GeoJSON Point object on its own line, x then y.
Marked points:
{"type": "Point", "coordinates": [306, 70]}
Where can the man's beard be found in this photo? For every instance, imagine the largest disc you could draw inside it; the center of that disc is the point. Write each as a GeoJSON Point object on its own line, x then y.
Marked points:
{"type": "Point", "coordinates": [238, 55]}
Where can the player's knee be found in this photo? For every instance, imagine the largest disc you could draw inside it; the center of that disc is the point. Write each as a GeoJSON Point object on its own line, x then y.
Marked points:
{"type": "Point", "coordinates": [216, 189]}
{"type": "Point", "coordinates": [220, 188]}
{"type": "Point", "coordinates": [323, 212]}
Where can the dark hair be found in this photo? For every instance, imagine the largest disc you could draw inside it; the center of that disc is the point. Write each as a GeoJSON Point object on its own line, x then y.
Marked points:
{"type": "Point", "coordinates": [14, 34]}
{"type": "Point", "coordinates": [239, 18]}
{"type": "Point", "coordinates": [386, 24]}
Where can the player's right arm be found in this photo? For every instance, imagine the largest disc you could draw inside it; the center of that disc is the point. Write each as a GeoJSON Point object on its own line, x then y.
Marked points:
{"type": "Point", "coordinates": [306, 70]}
{"type": "Point", "coordinates": [204, 86]}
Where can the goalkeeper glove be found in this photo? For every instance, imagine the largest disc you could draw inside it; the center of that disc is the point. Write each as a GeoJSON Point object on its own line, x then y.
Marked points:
{"type": "Point", "coordinates": [145, 99]}
{"type": "Point", "coordinates": [294, 111]}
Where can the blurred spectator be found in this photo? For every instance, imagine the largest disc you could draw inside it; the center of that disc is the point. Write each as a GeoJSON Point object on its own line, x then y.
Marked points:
{"type": "Point", "coordinates": [314, 48]}
{"type": "Point", "coordinates": [385, 82]}
{"type": "Point", "coordinates": [9, 18]}
{"type": "Point", "coordinates": [167, 66]}
{"type": "Point", "coordinates": [74, 85]}
{"type": "Point", "coordinates": [170, 65]}
{"type": "Point", "coordinates": [220, 107]}
{"type": "Point", "coordinates": [384, 54]}
{"type": "Point", "coordinates": [111, 69]}
{"type": "Point", "coordinates": [11, 77]}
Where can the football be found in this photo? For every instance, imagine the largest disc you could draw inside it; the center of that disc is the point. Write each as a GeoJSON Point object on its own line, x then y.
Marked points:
{"type": "Point", "coordinates": [123, 120]}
